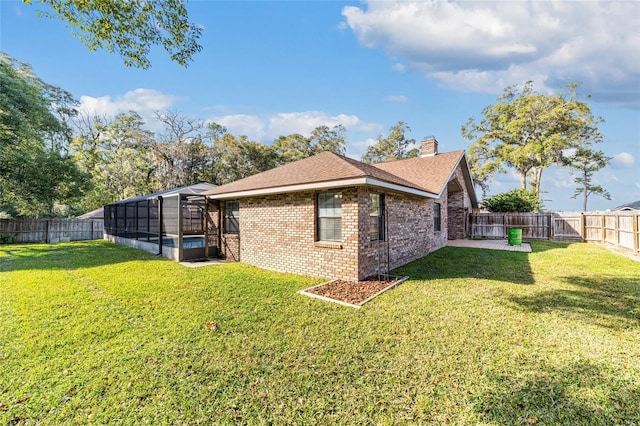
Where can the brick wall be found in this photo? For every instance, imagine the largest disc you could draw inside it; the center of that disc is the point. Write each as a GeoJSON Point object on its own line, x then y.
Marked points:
{"type": "Point", "coordinates": [459, 205]}
{"type": "Point", "coordinates": [410, 233]}
{"type": "Point", "coordinates": [277, 232]}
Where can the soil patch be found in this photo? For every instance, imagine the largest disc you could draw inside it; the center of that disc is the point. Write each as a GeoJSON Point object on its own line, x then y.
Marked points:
{"type": "Point", "coordinates": [355, 293]}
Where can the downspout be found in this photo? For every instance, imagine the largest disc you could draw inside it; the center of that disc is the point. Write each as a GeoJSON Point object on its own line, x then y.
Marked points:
{"type": "Point", "coordinates": [180, 235]}
{"type": "Point", "coordinates": [219, 230]}
{"type": "Point", "coordinates": [205, 226]}
{"type": "Point", "coordinates": [160, 242]}
{"type": "Point", "coordinates": [386, 233]}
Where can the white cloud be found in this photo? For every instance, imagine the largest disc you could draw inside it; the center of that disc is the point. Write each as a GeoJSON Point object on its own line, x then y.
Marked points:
{"type": "Point", "coordinates": [143, 101]}
{"type": "Point", "coordinates": [399, 67]}
{"type": "Point", "coordinates": [305, 122]}
{"type": "Point", "coordinates": [397, 98]}
{"type": "Point", "coordinates": [623, 160]}
{"type": "Point", "coordinates": [266, 129]}
{"type": "Point", "coordinates": [484, 46]}
{"type": "Point", "coordinates": [242, 124]}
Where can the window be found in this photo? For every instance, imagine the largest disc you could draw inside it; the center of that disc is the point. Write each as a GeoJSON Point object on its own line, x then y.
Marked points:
{"type": "Point", "coordinates": [376, 218]}
{"type": "Point", "coordinates": [436, 217]}
{"type": "Point", "coordinates": [231, 215]}
{"type": "Point", "coordinates": [329, 216]}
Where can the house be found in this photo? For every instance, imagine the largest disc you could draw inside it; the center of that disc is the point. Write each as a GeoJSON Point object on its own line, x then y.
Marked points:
{"type": "Point", "coordinates": [97, 214]}
{"type": "Point", "coordinates": [332, 216]}
{"type": "Point", "coordinates": [629, 207]}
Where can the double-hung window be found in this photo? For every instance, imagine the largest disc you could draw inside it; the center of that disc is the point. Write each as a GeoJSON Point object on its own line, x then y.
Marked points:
{"type": "Point", "coordinates": [329, 216]}
{"type": "Point", "coordinates": [231, 215]}
{"type": "Point", "coordinates": [376, 217]}
{"type": "Point", "coordinates": [436, 217]}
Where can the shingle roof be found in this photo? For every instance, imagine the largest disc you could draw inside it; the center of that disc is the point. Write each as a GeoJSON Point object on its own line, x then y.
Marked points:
{"type": "Point", "coordinates": [426, 175]}
{"type": "Point", "coordinates": [429, 173]}
{"type": "Point", "coordinates": [323, 167]}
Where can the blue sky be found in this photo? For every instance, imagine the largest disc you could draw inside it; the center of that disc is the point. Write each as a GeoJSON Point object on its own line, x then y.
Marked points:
{"type": "Point", "coordinates": [273, 68]}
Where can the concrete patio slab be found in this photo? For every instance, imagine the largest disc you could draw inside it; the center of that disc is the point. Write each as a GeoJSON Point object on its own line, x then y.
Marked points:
{"type": "Point", "coordinates": [490, 245]}
{"type": "Point", "coordinates": [202, 262]}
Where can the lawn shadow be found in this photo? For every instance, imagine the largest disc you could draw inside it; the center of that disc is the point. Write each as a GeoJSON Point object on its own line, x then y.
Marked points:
{"type": "Point", "coordinates": [459, 262]}
{"type": "Point", "coordinates": [73, 255]}
{"type": "Point", "coordinates": [582, 393]}
{"type": "Point", "coordinates": [610, 301]}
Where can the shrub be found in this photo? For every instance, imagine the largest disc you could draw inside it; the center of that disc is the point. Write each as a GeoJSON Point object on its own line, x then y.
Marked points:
{"type": "Point", "coordinates": [7, 239]}
{"type": "Point", "coordinates": [516, 200]}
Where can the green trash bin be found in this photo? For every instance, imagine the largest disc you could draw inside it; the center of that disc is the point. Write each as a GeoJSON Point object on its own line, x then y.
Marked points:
{"type": "Point", "coordinates": [515, 236]}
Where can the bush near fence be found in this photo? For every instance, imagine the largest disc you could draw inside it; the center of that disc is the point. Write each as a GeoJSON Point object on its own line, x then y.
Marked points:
{"type": "Point", "coordinates": [50, 230]}
{"type": "Point", "coordinates": [621, 229]}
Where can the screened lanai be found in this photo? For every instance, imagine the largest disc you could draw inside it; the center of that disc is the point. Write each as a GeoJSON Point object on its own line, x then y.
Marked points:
{"type": "Point", "coordinates": [173, 223]}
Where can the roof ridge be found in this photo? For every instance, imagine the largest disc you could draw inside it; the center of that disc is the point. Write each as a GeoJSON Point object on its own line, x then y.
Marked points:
{"type": "Point", "coordinates": [371, 170]}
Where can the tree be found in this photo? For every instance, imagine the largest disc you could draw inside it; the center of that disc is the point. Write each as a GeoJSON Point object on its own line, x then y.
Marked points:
{"type": "Point", "coordinates": [586, 162]}
{"type": "Point", "coordinates": [528, 132]}
{"type": "Point", "coordinates": [295, 147]}
{"type": "Point", "coordinates": [514, 201]}
{"type": "Point", "coordinates": [182, 156]}
{"type": "Point", "coordinates": [37, 176]}
{"type": "Point", "coordinates": [236, 157]}
{"type": "Point", "coordinates": [393, 147]}
{"type": "Point", "coordinates": [130, 27]}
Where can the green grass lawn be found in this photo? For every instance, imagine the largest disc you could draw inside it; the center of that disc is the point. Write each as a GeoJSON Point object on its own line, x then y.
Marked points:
{"type": "Point", "coordinates": [93, 333]}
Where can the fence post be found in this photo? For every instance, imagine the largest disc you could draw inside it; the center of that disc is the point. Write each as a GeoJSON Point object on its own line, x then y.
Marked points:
{"type": "Point", "coordinates": [603, 229]}
{"type": "Point", "coordinates": [504, 225]}
{"type": "Point", "coordinates": [635, 233]}
{"type": "Point", "coordinates": [583, 229]}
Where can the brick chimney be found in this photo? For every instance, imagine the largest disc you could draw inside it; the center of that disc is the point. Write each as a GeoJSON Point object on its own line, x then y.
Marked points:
{"type": "Point", "coordinates": [429, 147]}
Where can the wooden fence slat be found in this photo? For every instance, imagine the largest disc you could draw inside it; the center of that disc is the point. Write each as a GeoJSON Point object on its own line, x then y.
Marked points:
{"type": "Point", "coordinates": [616, 228]}
{"type": "Point", "coordinates": [51, 230]}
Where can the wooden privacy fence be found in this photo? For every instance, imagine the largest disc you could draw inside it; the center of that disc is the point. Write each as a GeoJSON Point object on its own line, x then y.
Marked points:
{"type": "Point", "coordinates": [621, 229]}
{"type": "Point", "coordinates": [50, 230]}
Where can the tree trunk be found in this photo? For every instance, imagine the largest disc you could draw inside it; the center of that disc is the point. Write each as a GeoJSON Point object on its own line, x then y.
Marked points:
{"type": "Point", "coordinates": [537, 181]}
{"type": "Point", "coordinates": [523, 180]}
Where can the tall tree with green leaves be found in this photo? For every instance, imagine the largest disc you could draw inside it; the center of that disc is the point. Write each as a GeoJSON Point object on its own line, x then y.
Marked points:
{"type": "Point", "coordinates": [37, 176]}
{"type": "Point", "coordinates": [237, 157]}
{"type": "Point", "coordinates": [130, 28]}
{"type": "Point", "coordinates": [117, 154]}
{"type": "Point", "coordinates": [295, 147]}
{"type": "Point", "coordinates": [528, 132]}
{"type": "Point", "coordinates": [586, 162]}
{"type": "Point", "coordinates": [394, 146]}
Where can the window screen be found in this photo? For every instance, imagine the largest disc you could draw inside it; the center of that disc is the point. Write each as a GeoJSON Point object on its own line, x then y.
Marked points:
{"type": "Point", "coordinates": [376, 218]}
{"type": "Point", "coordinates": [329, 216]}
{"type": "Point", "coordinates": [231, 215]}
{"type": "Point", "coordinates": [436, 217]}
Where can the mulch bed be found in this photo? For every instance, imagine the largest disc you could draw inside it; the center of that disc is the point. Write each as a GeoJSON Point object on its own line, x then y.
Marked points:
{"type": "Point", "coordinates": [351, 291]}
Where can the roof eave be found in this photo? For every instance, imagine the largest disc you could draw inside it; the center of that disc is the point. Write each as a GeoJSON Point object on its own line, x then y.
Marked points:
{"type": "Point", "coordinates": [323, 185]}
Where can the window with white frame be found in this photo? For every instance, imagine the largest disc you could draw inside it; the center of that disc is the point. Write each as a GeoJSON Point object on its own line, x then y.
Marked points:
{"type": "Point", "coordinates": [376, 217]}
{"type": "Point", "coordinates": [329, 216]}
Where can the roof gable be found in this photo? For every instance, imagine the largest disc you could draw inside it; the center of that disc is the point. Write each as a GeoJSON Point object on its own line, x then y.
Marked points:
{"type": "Point", "coordinates": [324, 167]}
{"type": "Point", "coordinates": [430, 173]}
{"type": "Point", "coordinates": [423, 176]}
